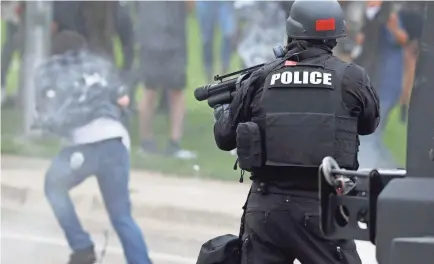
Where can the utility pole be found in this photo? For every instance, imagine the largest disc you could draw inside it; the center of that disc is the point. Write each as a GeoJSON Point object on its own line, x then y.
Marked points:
{"type": "Point", "coordinates": [38, 17]}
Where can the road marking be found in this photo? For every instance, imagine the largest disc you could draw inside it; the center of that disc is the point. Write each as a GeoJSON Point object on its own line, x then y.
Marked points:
{"type": "Point", "coordinates": [157, 256]}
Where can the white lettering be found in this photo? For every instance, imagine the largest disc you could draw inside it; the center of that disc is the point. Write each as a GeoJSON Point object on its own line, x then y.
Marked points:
{"type": "Point", "coordinates": [286, 78]}
{"type": "Point", "coordinates": [297, 78]}
{"type": "Point", "coordinates": [274, 78]}
{"type": "Point", "coordinates": [305, 77]}
{"type": "Point", "coordinates": [315, 78]}
{"type": "Point", "coordinates": [327, 79]}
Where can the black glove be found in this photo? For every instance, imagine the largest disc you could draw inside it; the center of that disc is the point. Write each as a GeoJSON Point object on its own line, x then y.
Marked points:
{"type": "Point", "coordinates": [219, 111]}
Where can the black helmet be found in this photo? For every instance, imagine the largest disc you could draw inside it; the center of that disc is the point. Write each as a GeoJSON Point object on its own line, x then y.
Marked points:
{"type": "Point", "coordinates": [316, 19]}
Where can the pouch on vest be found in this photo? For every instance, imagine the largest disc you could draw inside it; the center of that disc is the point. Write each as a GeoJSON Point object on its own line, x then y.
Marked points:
{"type": "Point", "coordinates": [249, 146]}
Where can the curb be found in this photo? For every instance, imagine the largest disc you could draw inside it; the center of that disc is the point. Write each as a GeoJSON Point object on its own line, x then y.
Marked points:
{"type": "Point", "coordinates": [25, 198]}
{"type": "Point", "coordinates": [153, 195]}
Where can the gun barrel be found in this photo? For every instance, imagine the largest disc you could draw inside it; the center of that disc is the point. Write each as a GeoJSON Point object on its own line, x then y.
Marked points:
{"type": "Point", "coordinates": [223, 92]}
{"type": "Point", "coordinates": [204, 92]}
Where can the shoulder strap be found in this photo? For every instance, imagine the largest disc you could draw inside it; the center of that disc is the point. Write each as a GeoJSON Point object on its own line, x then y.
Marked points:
{"type": "Point", "coordinates": [306, 54]}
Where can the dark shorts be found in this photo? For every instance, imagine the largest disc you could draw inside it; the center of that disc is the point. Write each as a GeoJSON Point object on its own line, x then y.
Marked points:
{"type": "Point", "coordinates": [280, 228]}
{"type": "Point", "coordinates": [164, 69]}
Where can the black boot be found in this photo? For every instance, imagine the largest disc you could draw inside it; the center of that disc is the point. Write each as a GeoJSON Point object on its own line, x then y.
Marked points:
{"type": "Point", "coordinates": [85, 256]}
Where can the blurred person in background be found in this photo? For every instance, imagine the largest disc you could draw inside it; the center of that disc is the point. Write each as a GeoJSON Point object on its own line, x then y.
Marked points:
{"type": "Point", "coordinates": [365, 52]}
{"type": "Point", "coordinates": [80, 99]}
{"type": "Point", "coordinates": [125, 30]}
{"type": "Point", "coordinates": [12, 12]}
{"type": "Point", "coordinates": [163, 64]}
{"type": "Point", "coordinates": [412, 20]}
{"type": "Point", "coordinates": [384, 26]}
{"type": "Point", "coordinates": [113, 19]}
{"type": "Point", "coordinates": [209, 14]}
{"type": "Point", "coordinates": [261, 27]}
{"type": "Point", "coordinates": [353, 11]}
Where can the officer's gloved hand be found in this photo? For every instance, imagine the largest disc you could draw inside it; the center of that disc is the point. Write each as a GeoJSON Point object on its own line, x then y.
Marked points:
{"type": "Point", "coordinates": [219, 111]}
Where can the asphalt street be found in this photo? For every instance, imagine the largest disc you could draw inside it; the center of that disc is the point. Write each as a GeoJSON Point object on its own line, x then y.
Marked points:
{"type": "Point", "coordinates": [32, 238]}
{"type": "Point", "coordinates": [174, 234]}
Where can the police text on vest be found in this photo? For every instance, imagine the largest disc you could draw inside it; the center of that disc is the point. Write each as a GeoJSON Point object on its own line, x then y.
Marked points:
{"type": "Point", "coordinates": [302, 77]}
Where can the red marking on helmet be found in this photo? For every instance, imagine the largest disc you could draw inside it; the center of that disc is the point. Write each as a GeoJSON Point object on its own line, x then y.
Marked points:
{"type": "Point", "coordinates": [325, 24]}
{"type": "Point", "coordinates": [290, 63]}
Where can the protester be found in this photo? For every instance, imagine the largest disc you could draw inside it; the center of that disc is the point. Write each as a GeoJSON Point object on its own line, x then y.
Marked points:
{"type": "Point", "coordinates": [383, 38]}
{"type": "Point", "coordinates": [412, 21]}
{"type": "Point", "coordinates": [209, 14]}
{"type": "Point", "coordinates": [12, 14]}
{"type": "Point", "coordinates": [353, 11]}
{"type": "Point", "coordinates": [162, 37]}
{"type": "Point", "coordinates": [80, 98]}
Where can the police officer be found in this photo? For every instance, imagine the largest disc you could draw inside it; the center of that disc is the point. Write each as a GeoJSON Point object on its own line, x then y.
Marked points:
{"type": "Point", "coordinates": [285, 118]}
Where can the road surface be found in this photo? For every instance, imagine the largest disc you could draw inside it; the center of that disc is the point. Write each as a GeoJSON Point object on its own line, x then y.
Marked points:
{"type": "Point", "coordinates": [30, 238]}
{"type": "Point", "coordinates": [174, 228]}
{"type": "Point", "coordinates": [34, 238]}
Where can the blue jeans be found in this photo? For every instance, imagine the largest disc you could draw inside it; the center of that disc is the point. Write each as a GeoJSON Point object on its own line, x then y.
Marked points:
{"type": "Point", "coordinates": [208, 14]}
{"type": "Point", "coordinates": [109, 161]}
{"type": "Point", "coordinates": [389, 97]}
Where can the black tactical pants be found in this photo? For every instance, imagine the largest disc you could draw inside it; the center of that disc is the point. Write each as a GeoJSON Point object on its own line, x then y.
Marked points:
{"type": "Point", "coordinates": [281, 226]}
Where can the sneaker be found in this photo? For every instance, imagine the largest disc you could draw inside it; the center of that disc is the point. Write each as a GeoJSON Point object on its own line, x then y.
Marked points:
{"type": "Point", "coordinates": [85, 256]}
{"type": "Point", "coordinates": [174, 150]}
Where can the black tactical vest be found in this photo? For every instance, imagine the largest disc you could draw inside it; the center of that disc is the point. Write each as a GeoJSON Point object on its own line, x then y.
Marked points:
{"type": "Point", "coordinates": [305, 118]}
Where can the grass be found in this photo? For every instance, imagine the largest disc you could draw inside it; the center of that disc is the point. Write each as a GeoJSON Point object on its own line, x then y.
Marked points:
{"type": "Point", "coordinates": [198, 126]}
{"type": "Point", "coordinates": [396, 137]}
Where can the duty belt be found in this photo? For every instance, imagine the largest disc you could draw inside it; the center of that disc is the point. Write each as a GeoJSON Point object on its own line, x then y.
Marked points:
{"type": "Point", "coordinates": [266, 188]}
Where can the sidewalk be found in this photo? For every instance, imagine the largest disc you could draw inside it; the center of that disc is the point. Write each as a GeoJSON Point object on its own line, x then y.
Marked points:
{"type": "Point", "coordinates": [153, 195]}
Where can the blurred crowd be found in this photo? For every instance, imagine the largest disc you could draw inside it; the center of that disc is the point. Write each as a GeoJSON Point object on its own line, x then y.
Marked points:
{"type": "Point", "coordinates": [382, 37]}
